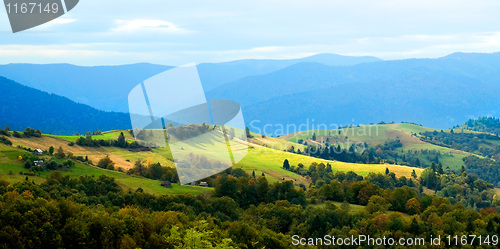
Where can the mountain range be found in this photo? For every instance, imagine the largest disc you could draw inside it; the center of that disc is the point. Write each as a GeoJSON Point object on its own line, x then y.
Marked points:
{"type": "Point", "coordinates": [438, 92]}
{"type": "Point", "coordinates": [107, 87]}
{"type": "Point", "coordinates": [321, 89]}
{"type": "Point", "coordinates": [22, 106]}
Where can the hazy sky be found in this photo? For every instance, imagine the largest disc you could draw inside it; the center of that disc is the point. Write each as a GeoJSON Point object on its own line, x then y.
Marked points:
{"type": "Point", "coordinates": [103, 32]}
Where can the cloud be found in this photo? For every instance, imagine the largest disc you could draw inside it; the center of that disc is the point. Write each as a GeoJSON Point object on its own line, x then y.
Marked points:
{"type": "Point", "coordinates": [155, 25]}
{"type": "Point", "coordinates": [58, 21]}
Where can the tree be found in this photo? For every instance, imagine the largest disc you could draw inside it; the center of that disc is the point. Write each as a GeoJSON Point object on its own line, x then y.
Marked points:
{"type": "Point", "coordinates": [155, 171]}
{"type": "Point", "coordinates": [138, 167]}
{"type": "Point", "coordinates": [314, 136]}
{"type": "Point", "coordinates": [387, 171]}
{"type": "Point", "coordinates": [286, 164]}
{"type": "Point", "coordinates": [121, 142]}
{"type": "Point", "coordinates": [253, 173]}
{"type": "Point", "coordinates": [414, 174]}
{"type": "Point", "coordinates": [60, 153]}
{"type": "Point", "coordinates": [440, 169]}
{"type": "Point", "coordinates": [106, 163]}
{"type": "Point", "coordinates": [413, 206]}
{"type": "Point", "coordinates": [377, 204]}
{"type": "Point", "coordinates": [51, 150]}
{"type": "Point", "coordinates": [247, 131]}
{"type": "Point", "coordinates": [27, 165]}
{"type": "Point", "coordinates": [414, 227]}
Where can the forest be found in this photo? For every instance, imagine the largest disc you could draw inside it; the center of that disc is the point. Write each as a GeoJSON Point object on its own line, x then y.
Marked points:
{"type": "Point", "coordinates": [243, 211]}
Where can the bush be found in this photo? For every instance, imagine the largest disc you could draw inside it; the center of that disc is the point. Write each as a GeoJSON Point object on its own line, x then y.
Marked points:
{"type": "Point", "coordinates": [105, 163]}
{"type": "Point", "coordinates": [5, 140]}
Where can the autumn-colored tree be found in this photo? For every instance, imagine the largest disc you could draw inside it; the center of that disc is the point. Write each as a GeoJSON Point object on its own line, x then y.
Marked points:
{"type": "Point", "coordinates": [413, 206]}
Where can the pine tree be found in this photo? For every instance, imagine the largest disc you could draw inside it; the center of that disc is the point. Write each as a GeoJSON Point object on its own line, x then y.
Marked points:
{"type": "Point", "coordinates": [121, 141]}
{"type": "Point", "coordinates": [440, 169]}
{"type": "Point", "coordinates": [387, 171]}
{"type": "Point", "coordinates": [247, 131]}
{"type": "Point", "coordinates": [286, 164]}
{"type": "Point", "coordinates": [253, 173]}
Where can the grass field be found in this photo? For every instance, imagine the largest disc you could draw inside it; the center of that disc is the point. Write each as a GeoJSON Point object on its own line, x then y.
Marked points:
{"type": "Point", "coordinates": [265, 155]}
{"type": "Point", "coordinates": [8, 162]}
{"type": "Point", "coordinates": [108, 135]}
{"type": "Point", "coordinates": [354, 208]}
{"type": "Point", "coordinates": [378, 134]}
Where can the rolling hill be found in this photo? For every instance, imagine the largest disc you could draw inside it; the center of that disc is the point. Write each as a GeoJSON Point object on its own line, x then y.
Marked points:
{"type": "Point", "coordinates": [102, 87]}
{"type": "Point", "coordinates": [434, 92]}
{"type": "Point", "coordinates": [22, 107]}
{"type": "Point", "coordinates": [261, 158]}
{"type": "Point", "coordinates": [107, 87]}
{"type": "Point", "coordinates": [375, 135]}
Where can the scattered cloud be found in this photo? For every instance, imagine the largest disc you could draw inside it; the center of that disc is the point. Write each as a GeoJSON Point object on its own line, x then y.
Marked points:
{"type": "Point", "coordinates": [138, 25]}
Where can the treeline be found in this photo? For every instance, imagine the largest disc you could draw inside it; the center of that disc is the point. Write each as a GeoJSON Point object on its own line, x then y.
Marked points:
{"type": "Point", "coordinates": [28, 132]}
{"type": "Point", "coordinates": [120, 142]}
{"type": "Point", "coordinates": [355, 153]}
{"type": "Point", "coordinates": [470, 142]}
{"type": "Point", "coordinates": [465, 188]}
{"type": "Point", "coordinates": [154, 171]}
{"type": "Point", "coordinates": [486, 169]}
{"type": "Point", "coordinates": [242, 212]}
{"type": "Point", "coordinates": [388, 152]}
{"type": "Point", "coordinates": [484, 124]}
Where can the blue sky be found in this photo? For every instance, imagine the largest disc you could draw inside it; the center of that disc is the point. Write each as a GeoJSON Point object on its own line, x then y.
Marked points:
{"type": "Point", "coordinates": [111, 32]}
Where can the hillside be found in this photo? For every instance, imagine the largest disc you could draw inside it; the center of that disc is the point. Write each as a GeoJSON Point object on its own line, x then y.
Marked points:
{"type": "Point", "coordinates": [374, 135]}
{"type": "Point", "coordinates": [102, 87]}
{"type": "Point", "coordinates": [434, 92]}
{"type": "Point", "coordinates": [22, 106]}
{"type": "Point", "coordinates": [213, 75]}
{"type": "Point", "coordinates": [107, 87]}
{"type": "Point", "coordinates": [9, 163]}
{"type": "Point", "coordinates": [259, 159]}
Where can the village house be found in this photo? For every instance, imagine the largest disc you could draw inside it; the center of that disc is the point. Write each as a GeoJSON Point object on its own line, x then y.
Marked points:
{"type": "Point", "coordinates": [38, 152]}
{"type": "Point", "coordinates": [39, 163]}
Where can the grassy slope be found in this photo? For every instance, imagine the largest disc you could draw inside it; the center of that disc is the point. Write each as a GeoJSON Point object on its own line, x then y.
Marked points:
{"type": "Point", "coordinates": [378, 134]}
{"type": "Point", "coordinates": [258, 159]}
{"type": "Point", "coordinates": [8, 161]}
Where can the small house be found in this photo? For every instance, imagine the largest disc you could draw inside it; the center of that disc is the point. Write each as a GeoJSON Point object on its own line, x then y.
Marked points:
{"type": "Point", "coordinates": [39, 163]}
{"type": "Point", "coordinates": [38, 152]}
{"type": "Point", "coordinates": [204, 184]}
{"type": "Point", "coordinates": [193, 183]}
{"type": "Point", "coordinates": [166, 184]}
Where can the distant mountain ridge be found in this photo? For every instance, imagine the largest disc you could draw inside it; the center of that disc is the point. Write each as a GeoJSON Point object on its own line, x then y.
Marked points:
{"type": "Point", "coordinates": [441, 92]}
{"type": "Point", "coordinates": [213, 75]}
{"type": "Point", "coordinates": [107, 87]}
{"type": "Point", "coordinates": [438, 93]}
{"type": "Point", "coordinates": [22, 107]}
{"type": "Point", "coordinates": [102, 87]}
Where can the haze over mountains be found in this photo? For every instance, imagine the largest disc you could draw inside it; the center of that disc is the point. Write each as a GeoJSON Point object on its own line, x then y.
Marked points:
{"type": "Point", "coordinates": [107, 87]}
{"type": "Point", "coordinates": [330, 89]}
{"type": "Point", "coordinates": [22, 106]}
{"type": "Point", "coordinates": [434, 92]}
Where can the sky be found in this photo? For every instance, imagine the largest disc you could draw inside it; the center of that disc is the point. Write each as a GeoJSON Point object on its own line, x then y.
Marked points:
{"type": "Point", "coordinates": [113, 32]}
